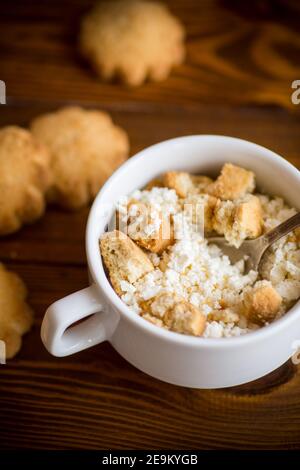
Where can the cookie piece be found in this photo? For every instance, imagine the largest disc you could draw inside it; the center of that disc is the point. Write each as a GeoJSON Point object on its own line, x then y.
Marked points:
{"type": "Point", "coordinates": [164, 261]}
{"type": "Point", "coordinates": [180, 181]}
{"type": "Point", "coordinates": [226, 315]}
{"type": "Point", "coordinates": [154, 320]}
{"type": "Point", "coordinates": [124, 260]}
{"type": "Point", "coordinates": [178, 314]}
{"type": "Point", "coordinates": [155, 183]}
{"type": "Point", "coordinates": [148, 227]}
{"type": "Point", "coordinates": [238, 220]}
{"type": "Point", "coordinates": [186, 318]}
{"type": "Point", "coordinates": [133, 40]}
{"type": "Point", "coordinates": [201, 182]}
{"type": "Point", "coordinates": [233, 183]}
{"type": "Point", "coordinates": [25, 177]}
{"type": "Point", "coordinates": [85, 148]}
{"type": "Point", "coordinates": [15, 315]}
{"type": "Point", "coordinates": [261, 303]}
{"type": "Point", "coordinates": [249, 217]}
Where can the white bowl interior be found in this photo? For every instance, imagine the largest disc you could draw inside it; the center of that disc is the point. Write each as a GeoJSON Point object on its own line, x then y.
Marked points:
{"type": "Point", "coordinates": [196, 154]}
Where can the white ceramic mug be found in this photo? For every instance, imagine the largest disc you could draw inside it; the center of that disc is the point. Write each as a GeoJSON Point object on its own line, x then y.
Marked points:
{"type": "Point", "coordinates": [169, 356]}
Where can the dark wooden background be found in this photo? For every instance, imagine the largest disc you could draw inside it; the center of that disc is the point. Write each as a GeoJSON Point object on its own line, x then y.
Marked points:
{"type": "Point", "coordinates": [236, 81]}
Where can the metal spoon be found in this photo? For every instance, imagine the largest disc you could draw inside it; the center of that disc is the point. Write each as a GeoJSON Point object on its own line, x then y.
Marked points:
{"type": "Point", "coordinates": [253, 250]}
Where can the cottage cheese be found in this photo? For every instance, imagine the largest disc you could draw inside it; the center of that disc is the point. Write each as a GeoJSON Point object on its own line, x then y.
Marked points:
{"type": "Point", "coordinates": [282, 265]}
{"type": "Point", "coordinates": [199, 272]}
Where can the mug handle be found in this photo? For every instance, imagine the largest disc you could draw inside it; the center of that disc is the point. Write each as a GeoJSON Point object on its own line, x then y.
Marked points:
{"type": "Point", "coordinates": [61, 338]}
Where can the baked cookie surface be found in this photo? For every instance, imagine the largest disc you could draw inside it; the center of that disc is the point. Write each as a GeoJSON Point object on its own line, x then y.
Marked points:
{"type": "Point", "coordinates": [15, 314]}
{"type": "Point", "coordinates": [123, 259]}
{"type": "Point", "coordinates": [25, 177]}
{"type": "Point", "coordinates": [85, 148]}
{"type": "Point", "coordinates": [133, 40]}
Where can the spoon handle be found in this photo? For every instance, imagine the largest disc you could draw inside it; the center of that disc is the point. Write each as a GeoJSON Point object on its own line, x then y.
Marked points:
{"type": "Point", "coordinates": [283, 229]}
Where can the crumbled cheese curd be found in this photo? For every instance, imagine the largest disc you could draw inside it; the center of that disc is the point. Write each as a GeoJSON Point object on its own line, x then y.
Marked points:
{"type": "Point", "coordinates": [281, 265]}
{"type": "Point", "coordinates": [162, 199]}
{"type": "Point", "coordinates": [199, 272]}
{"type": "Point", "coordinates": [142, 212]}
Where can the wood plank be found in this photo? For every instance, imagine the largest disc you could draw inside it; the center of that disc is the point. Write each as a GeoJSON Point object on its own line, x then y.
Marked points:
{"type": "Point", "coordinates": [47, 283]}
{"type": "Point", "coordinates": [239, 53]}
{"type": "Point", "coordinates": [97, 399]}
{"type": "Point", "coordinates": [233, 56]}
{"type": "Point", "coordinates": [45, 400]}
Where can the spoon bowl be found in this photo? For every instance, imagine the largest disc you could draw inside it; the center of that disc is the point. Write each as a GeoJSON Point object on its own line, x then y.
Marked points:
{"type": "Point", "coordinates": [252, 251]}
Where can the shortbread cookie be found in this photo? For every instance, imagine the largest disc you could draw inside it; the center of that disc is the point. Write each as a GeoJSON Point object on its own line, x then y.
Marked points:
{"type": "Point", "coordinates": [148, 227]}
{"type": "Point", "coordinates": [225, 315]}
{"type": "Point", "coordinates": [178, 315]}
{"type": "Point", "coordinates": [133, 40]}
{"type": "Point", "coordinates": [233, 183]}
{"type": "Point", "coordinates": [238, 220]}
{"type": "Point", "coordinates": [200, 182]}
{"type": "Point", "coordinates": [155, 183]}
{"type": "Point", "coordinates": [180, 181]}
{"type": "Point", "coordinates": [24, 178]}
{"type": "Point", "coordinates": [297, 235]}
{"type": "Point", "coordinates": [15, 314]}
{"type": "Point", "coordinates": [124, 260]}
{"type": "Point", "coordinates": [85, 147]}
{"type": "Point", "coordinates": [185, 183]}
{"type": "Point", "coordinates": [261, 303]}
{"type": "Point", "coordinates": [249, 217]}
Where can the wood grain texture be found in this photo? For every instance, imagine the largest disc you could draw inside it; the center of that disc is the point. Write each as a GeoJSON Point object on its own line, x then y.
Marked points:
{"type": "Point", "coordinates": [108, 404]}
{"type": "Point", "coordinates": [96, 400]}
{"type": "Point", "coordinates": [232, 56]}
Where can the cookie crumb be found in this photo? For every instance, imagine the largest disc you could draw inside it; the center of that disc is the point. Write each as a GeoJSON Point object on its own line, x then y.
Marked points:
{"type": "Point", "coordinates": [232, 183]}
{"type": "Point", "coordinates": [261, 303]}
{"type": "Point", "coordinates": [180, 181]}
{"type": "Point", "coordinates": [123, 259]}
{"type": "Point", "coordinates": [178, 315]}
{"type": "Point", "coordinates": [239, 219]}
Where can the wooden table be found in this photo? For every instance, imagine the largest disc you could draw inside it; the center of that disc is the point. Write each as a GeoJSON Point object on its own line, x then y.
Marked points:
{"type": "Point", "coordinates": [236, 81]}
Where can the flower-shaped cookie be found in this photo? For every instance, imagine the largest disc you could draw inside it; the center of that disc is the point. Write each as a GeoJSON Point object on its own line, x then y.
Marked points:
{"type": "Point", "coordinates": [132, 39]}
{"type": "Point", "coordinates": [15, 314]}
{"type": "Point", "coordinates": [85, 148]}
{"type": "Point", "coordinates": [24, 178]}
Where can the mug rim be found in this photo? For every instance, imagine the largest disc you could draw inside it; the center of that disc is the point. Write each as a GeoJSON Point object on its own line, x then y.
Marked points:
{"type": "Point", "coordinates": [111, 296]}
